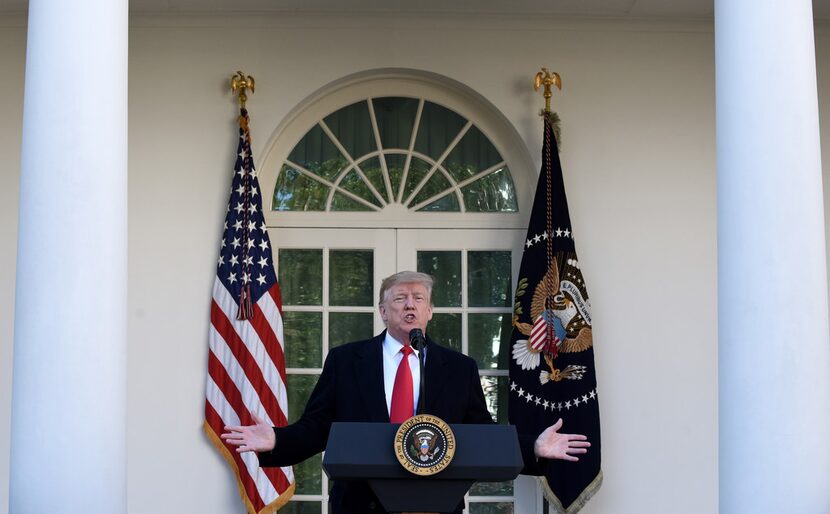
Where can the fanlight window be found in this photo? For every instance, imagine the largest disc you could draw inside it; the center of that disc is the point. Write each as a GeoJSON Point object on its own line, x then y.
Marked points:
{"type": "Point", "coordinates": [395, 150]}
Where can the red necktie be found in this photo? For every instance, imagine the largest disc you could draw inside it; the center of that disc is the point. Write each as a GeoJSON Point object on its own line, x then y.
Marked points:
{"type": "Point", "coordinates": [402, 402]}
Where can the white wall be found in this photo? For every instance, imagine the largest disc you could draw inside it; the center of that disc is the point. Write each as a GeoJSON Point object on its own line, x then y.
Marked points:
{"type": "Point", "coordinates": [638, 154]}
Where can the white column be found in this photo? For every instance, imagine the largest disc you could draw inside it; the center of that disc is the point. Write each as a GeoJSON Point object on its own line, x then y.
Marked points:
{"type": "Point", "coordinates": [68, 443]}
{"type": "Point", "coordinates": [774, 353]}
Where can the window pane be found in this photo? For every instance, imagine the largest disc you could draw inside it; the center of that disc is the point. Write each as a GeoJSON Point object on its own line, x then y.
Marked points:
{"type": "Point", "coordinates": [371, 168]}
{"type": "Point", "coordinates": [302, 507]}
{"type": "Point", "coordinates": [352, 127]}
{"type": "Point", "coordinates": [345, 327]}
{"type": "Point", "coordinates": [436, 184]}
{"type": "Point", "coordinates": [395, 164]}
{"type": "Point", "coordinates": [438, 127]}
{"type": "Point", "coordinates": [447, 203]}
{"type": "Point", "coordinates": [445, 268]}
{"type": "Point", "coordinates": [492, 489]}
{"type": "Point", "coordinates": [445, 329]}
{"type": "Point", "coordinates": [301, 276]}
{"type": "Point", "coordinates": [299, 389]}
{"type": "Point", "coordinates": [309, 475]}
{"type": "Point", "coordinates": [488, 278]}
{"type": "Point", "coordinates": [395, 117]}
{"type": "Point", "coordinates": [303, 339]}
{"type": "Point", "coordinates": [491, 508]}
{"type": "Point", "coordinates": [350, 277]}
{"type": "Point", "coordinates": [354, 184]}
{"type": "Point", "coordinates": [473, 154]}
{"type": "Point", "coordinates": [316, 153]}
{"type": "Point", "coordinates": [492, 193]}
{"type": "Point", "coordinates": [495, 394]}
{"type": "Point", "coordinates": [341, 202]}
{"type": "Point", "coordinates": [298, 192]}
{"type": "Point", "coordinates": [486, 335]}
{"type": "Point", "coordinates": [417, 170]}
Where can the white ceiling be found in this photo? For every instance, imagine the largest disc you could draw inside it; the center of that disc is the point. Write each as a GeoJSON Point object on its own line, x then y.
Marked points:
{"type": "Point", "coordinates": [587, 8]}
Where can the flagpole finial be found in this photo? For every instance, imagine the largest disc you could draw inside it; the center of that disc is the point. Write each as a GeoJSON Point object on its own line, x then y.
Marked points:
{"type": "Point", "coordinates": [547, 79]}
{"type": "Point", "coordinates": [241, 83]}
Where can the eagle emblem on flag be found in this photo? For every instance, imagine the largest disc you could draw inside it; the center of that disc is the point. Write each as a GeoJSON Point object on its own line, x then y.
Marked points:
{"type": "Point", "coordinates": [559, 321]}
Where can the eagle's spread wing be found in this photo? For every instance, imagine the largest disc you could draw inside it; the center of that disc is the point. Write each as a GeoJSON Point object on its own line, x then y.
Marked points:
{"type": "Point", "coordinates": [547, 289]}
{"type": "Point", "coordinates": [583, 340]}
{"type": "Point", "coordinates": [432, 443]}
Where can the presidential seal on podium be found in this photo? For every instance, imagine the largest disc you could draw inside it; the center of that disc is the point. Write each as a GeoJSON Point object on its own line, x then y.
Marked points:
{"type": "Point", "coordinates": [424, 444]}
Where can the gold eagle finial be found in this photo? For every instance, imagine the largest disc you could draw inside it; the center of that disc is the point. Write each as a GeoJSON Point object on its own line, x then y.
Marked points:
{"type": "Point", "coordinates": [547, 79]}
{"type": "Point", "coordinates": [241, 83]}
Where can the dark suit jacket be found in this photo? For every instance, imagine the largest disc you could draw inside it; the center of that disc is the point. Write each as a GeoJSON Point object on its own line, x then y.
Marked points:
{"type": "Point", "coordinates": [351, 388]}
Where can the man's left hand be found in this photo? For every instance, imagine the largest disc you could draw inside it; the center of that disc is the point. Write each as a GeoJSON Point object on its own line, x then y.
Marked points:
{"type": "Point", "coordinates": [251, 438]}
{"type": "Point", "coordinates": [552, 445]}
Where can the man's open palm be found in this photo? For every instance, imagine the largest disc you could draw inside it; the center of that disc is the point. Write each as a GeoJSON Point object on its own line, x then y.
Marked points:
{"type": "Point", "coordinates": [251, 438]}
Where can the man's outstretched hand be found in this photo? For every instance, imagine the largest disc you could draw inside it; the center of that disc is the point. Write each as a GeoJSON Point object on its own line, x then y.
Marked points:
{"type": "Point", "coordinates": [552, 445]}
{"type": "Point", "coordinates": [251, 438]}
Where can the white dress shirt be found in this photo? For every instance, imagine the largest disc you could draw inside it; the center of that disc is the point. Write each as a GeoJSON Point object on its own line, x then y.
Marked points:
{"type": "Point", "coordinates": [391, 359]}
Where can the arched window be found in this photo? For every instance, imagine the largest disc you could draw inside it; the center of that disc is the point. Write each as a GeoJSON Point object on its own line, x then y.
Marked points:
{"type": "Point", "coordinates": [387, 150]}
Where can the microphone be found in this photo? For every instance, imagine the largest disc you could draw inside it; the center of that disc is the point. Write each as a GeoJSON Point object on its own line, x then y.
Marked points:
{"type": "Point", "coordinates": [418, 342]}
{"type": "Point", "coordinates": [416, 339]}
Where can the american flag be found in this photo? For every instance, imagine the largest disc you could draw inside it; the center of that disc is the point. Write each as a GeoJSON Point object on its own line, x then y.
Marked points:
{"type": "Point", "coordinates": [246, 363]}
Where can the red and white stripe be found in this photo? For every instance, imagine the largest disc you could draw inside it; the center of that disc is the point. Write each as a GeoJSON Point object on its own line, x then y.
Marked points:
{"type": "Point", "coordinates": [539, 334]}
{"type": "Point", "coordinates": [246, 374]}
{"type": "Point", "coordinates": [542, 336]}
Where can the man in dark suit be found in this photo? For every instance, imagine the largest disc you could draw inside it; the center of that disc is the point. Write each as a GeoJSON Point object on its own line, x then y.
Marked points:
{"type": "Point", "coordinates": [357, 385]}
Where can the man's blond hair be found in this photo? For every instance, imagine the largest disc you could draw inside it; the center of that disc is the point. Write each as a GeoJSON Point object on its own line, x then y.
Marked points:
{"type": "Point", "coordinates": [405, 277]}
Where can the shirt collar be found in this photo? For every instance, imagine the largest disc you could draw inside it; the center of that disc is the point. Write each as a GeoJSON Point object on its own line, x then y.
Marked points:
{"type": "Point", "coordinates": [392, 346]}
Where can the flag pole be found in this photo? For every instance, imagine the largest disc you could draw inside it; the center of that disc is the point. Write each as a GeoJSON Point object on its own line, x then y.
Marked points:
{"type": "Point", "coordinates": [240, 84]}
{"type": "Point", "coordinates": [546, 79]}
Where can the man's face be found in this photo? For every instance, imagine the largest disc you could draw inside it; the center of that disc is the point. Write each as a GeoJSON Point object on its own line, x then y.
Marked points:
{"type": "Point", "coordinates": [407, 306]}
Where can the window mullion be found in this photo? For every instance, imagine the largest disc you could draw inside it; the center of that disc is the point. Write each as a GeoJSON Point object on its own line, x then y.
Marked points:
{"type": "Point", "coordinates": [415, 127]}
{"type": "Point", "coordinates": [381, 157]}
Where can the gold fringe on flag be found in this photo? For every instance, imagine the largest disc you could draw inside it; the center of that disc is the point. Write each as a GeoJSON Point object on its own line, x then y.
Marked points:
{"type": "Point", "coordinates": [272, 507]}
{"type": "Point", "coordinates": [577, 504]}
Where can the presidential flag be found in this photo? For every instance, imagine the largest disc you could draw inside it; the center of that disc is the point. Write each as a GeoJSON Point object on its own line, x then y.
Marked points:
{"type": "Point", "coordinates": [246, 362]}
{"type": "Point", "coordinates": [552, 372]}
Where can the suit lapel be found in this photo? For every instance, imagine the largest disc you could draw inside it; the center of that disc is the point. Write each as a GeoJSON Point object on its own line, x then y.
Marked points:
{"type": "Point", "coordinates": [368, 374]}
{"type": "Point", "coordinates": [436, 375]}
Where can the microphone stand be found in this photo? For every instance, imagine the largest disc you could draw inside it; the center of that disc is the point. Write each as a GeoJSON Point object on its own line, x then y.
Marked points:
{"type": "Point", "coordinates": [421, 359]}
{"type": "Point", "coordinates": [418, 342]}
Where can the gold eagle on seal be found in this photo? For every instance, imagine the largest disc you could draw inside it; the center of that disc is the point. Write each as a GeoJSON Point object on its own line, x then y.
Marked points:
{"type": "Point", "coordinates": [560, 315]}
